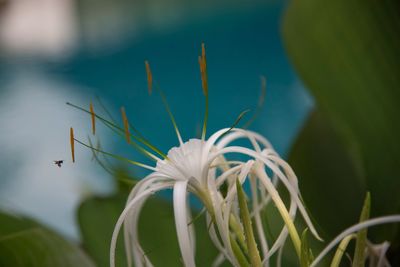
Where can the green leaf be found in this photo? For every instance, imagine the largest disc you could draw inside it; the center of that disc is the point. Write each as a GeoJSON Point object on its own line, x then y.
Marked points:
{"type": "Point", "coordinates": [240, 257]}
{"type": "Point", "coordinates": [24, 242]}
{"type": "Point", "coordinates": [330, 183]}
{"type": "Point", "coordinates": [347, 53]}
{"type": "Point", "coordinates": [98, 215]}
{"type": "Point", "coordinates": [361, 241]}
{"type": "Point", "coordinates": [341, 250]}
{"type": "Point", "coordinates": [254, 255]}
{"type": "Point", "coordinates": [306, 254]}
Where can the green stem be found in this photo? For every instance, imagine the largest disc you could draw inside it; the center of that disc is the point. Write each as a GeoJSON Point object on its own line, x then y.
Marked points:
{"type": "Point", "coordinates": [294, 235]}
{"type": "Point", "coordinates": [341, 249]}
{"type": "Point", "coordinates": [241, 258]}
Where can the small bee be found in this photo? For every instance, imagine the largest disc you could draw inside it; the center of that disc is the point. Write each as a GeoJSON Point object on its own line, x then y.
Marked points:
{"type": "Point", "coordinates": [59, 162]}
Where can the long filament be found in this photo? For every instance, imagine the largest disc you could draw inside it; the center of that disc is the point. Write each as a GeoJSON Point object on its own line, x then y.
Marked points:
{"type": "Point", "coordinates": [93, 118]}
{"type": "Point", "coordinates": [116, 156]}
{"type": "Point", "coordinates": [120, 131]}
{"type": "Point", "coordinates": [204, 83]}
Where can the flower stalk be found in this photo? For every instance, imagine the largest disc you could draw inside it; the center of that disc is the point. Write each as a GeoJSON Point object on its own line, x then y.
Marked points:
{"type": "Point", "coordinates": [254, 255]}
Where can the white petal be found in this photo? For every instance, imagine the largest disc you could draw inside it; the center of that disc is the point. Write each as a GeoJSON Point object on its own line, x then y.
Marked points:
{"type": "Point", "coordinates": [293, 189]}
{"type": "Point", "coordinates": [353, 229]}
{"type": "Point", "coordinates": [132, 205]}
{"type": "Point", "coordinates": [182, 224]}
{"type": "Point", "coordinates": [222, 225]}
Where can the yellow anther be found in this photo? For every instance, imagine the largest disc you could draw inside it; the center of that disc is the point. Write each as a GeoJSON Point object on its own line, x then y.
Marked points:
{"type": "Point", "coordinates": [72, 140]}
{"type": "Point", "coordinates": [149, 77]}
{"type": "Point", "coordinates": [126, 125]}
{"type": "Point", "coordinates": [203, 71]}
{"type": "Point", "coordinates": [93, 118]}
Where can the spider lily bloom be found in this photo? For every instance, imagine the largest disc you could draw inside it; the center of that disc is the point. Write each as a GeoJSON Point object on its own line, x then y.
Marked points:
{"type": "Point", "coordinates": [206, 168]}
{"type": "Point", "coordinates": [192, 168]}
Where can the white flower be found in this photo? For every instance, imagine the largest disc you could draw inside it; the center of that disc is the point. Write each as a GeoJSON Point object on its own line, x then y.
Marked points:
{"type": "Point", "coordinates": [192, 168]}
{"type": "Point", "coordinates": [210, 170]}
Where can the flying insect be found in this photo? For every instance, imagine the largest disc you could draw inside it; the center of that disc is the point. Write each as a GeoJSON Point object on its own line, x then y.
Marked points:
{"type": "Point", "coordinates": [59, 162]}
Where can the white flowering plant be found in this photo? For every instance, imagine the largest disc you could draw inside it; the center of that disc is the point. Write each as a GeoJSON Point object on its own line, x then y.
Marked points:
{"type": "Point", "coordinates": [215, 169]}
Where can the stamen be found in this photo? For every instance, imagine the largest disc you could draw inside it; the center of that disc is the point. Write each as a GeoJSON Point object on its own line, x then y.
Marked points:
{"type": "Point", "coordinates": [164, 99]}
{"type": "Point", "coordinates": [263, 90]}
{"type": "Point", "coordinates": [126, 125]}
{"type": "Point", "coordinates": [236, 122]}
{"type": "Point", "coordinates": [131, 181]}
{"type": "Point", "coordinates": [105, 109]}
{"type": "Point", "coordinates": [93, 118]}
{"type": "Point", "coordinates": [260, 104]}
{"type": "Point", "coordinates": [203, 52]}
{"type": "Point", "coordinates": [71, 135]}
{"type": "Point", "coordinates": [204, 83]}
{"type": "Point", "coordinates": [149, 77]}
{"type": "Point", "coordinates": [95, 157]}
{"type": "Point", "coordinates": [117, 157]}
{"type": "Point", "coordinates": [120, 131]}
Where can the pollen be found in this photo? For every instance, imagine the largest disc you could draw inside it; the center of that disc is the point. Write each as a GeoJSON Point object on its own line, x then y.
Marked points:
{"type": "Point", "coordinates": [126, 125]}
{"type": "Point", "coordinates": [93, 118]}
{"type": "Point", "coordinates": [149, 77]}
{"type": "Point", "coordinates": [72, 141]}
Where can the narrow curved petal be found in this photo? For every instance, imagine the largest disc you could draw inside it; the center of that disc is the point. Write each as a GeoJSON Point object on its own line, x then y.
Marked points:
{"type": "Point", "coordinates": [181, 223]}
{"type": "Point", "coordinates": [132, 205]}
{"type": "Point", "coordinates": [353, 229]}
{"type": "Point", "coordinates": [293, 190]}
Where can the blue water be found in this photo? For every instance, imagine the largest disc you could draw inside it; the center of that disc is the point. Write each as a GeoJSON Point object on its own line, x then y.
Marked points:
{"type": "Point", "coordinates": [240, 47]}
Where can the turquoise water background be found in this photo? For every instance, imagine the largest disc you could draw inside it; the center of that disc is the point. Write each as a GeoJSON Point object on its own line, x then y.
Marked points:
{"type": "Point", "coordinates": [242, 44]}
{"type": "Point", "coordinates": [240, 47]}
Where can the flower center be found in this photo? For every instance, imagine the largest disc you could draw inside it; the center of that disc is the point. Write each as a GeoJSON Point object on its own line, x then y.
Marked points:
{"type": "Point", "coordinates": [184, 162]}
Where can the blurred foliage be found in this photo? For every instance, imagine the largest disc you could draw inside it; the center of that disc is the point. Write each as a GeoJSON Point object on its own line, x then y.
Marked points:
{"type": "Point", "coordinates": [97, 217]}
{"type": "Point", "coordinates": [347, 53]}
{"type": "Point", "coordinates": [24, 242]}
{"type": "Point", "coordinates": [329, 181]}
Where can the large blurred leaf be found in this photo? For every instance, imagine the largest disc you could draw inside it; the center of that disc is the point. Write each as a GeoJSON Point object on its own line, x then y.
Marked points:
{"type": "Point", "coordinates": [25, 243]}
{"type": "Point", "coordinates": [347, 52]}
{"type": "Point", "coordinates": [97, 217]}
{"type": "Point", "coordinates": [330, 184]}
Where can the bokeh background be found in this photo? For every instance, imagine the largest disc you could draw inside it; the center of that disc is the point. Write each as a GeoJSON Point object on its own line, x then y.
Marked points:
{"type": "Point", "coordinates": [58, 51]}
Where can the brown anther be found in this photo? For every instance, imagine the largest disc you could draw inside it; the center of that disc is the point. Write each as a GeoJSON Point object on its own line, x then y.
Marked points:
{"type": "Point", "coordinates": [203, 70]}
{"type": "Point", "coordinates": [126, 125]}
{"type": "Point", "coordinates": [72, 140]}
{"type": "Point", "coordinates": [93, 118]}
{"type": "Point", "coordinates": [149, 77]}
